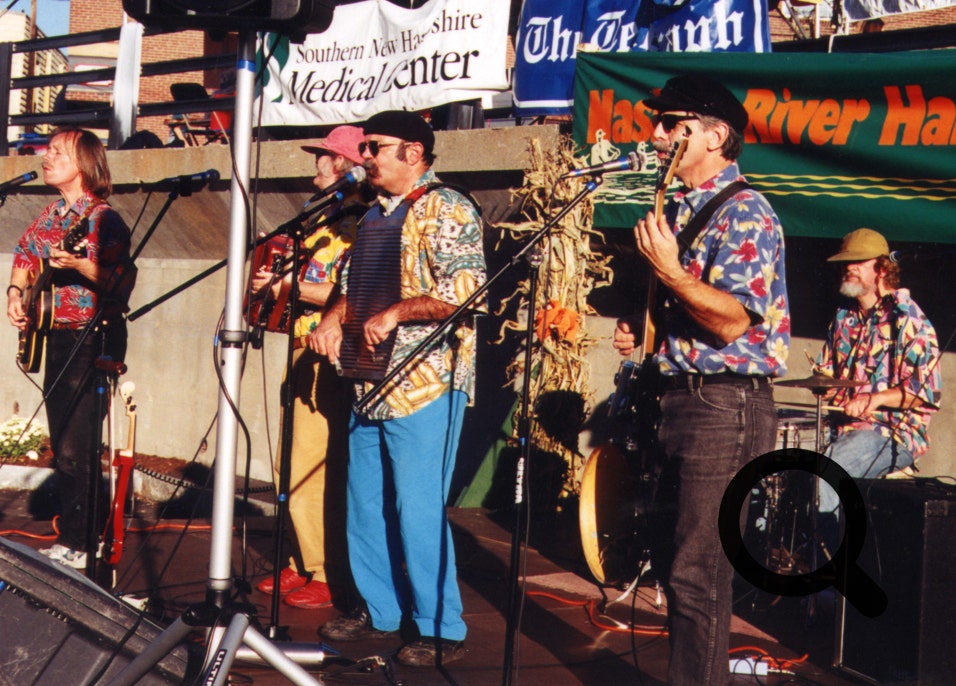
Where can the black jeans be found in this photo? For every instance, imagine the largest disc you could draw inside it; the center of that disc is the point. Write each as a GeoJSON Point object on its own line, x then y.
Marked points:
{"type": "Point", "coordinates": [76, 404]}
{"type": "Point", "coordinates": [707, 434]}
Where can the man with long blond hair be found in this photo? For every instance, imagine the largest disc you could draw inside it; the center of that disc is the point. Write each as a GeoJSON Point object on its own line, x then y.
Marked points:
{"type": "Point", "coordinates": [92, 286]}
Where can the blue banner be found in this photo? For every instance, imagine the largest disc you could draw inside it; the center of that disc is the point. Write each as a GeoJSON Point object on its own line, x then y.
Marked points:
{"type": "Point", "coordinates": [551, 31]}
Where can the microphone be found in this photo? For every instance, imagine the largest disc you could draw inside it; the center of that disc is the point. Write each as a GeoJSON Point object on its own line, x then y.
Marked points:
{"type": "Point", "coordinates": [632, 162]}
{"type": "Point", "coordinates": [185, 184]}
{"type": "Point", "coordinates": [354, 176]}
{"type": "Point", "coordinates": [23, 178]}
{"type": "Point", "coordinates": [897, 256]}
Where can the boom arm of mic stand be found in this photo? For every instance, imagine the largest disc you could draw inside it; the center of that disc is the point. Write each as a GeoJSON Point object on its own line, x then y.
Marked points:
{"type": "Point", "coordinates": [589, 187]}
{"type": "Point", "coordinates": [288, 227]}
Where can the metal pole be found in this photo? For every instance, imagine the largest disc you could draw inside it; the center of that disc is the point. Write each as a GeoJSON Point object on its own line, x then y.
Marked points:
{"type": "Point", "coordinates": [232, 335]}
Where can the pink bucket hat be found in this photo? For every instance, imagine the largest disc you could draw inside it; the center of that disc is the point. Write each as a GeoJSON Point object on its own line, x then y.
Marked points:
{"type": "Point", "coordinates": [342, 140]}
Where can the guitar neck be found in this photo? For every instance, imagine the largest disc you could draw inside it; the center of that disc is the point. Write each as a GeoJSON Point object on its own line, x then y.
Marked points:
{"type": "Point", "coordinates": [665, 178]}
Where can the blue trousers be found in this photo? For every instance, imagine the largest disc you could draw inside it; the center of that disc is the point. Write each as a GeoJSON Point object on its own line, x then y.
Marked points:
{"type": "Point", "coordinates": [864, 454]}
{"type": "Point", "coordinates": [400, 543]}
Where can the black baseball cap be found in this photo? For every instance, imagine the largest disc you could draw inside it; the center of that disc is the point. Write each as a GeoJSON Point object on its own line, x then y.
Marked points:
{"type": "Point", "coordinates": [401, 124]}
{"type": "Point", "coordinates": [701, 95]}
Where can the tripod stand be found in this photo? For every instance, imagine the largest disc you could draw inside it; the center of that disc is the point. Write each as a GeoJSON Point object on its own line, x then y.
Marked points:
{"type": "Point", "coordinates": [228, 623]}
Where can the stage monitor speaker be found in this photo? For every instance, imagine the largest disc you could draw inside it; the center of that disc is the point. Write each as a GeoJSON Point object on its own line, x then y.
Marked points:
{"type": "Point", "coordinates": [58, 628]}
{"type": "Point", "coordinates": [294, 16]}
{"type": "Point", "coordinates": [910, 552]}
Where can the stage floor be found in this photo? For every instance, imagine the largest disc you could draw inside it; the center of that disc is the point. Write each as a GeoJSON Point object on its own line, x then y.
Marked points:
{"type": "Point", "coordinates": [571, 630]}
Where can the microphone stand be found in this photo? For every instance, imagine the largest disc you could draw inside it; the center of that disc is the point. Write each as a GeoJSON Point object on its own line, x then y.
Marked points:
{"type": "Point", "coordinates": [287, 228]}
{"type": "Point", "coordinates": [531, 253]}
{"type": "Point", "coordinates": [287, 401]}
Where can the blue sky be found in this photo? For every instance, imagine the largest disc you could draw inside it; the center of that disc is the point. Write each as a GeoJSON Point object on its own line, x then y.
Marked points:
{"type": "Point", "coordinates": [53, 16]}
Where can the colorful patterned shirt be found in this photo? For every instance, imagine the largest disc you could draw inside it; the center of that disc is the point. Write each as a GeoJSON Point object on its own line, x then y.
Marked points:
{"type": "Point", "coordinates": [329, 246]}
{"type": "Point", "coordinates": [442, 258]}
{"type": "Point", "coordinates": [108, 244]}
{"type": "Point", "coordinates": [892, 345]}
{"type": "Point", "coordinates": [740, 252]}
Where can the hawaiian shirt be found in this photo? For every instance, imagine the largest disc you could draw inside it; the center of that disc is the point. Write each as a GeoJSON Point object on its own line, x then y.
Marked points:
{"type": "Point", "coordinates": [740, 252]}
{"type": "Point", "coordinates": [107, 244]}
{"type": "Point", "coordinates": [329, 248]}
{"type": "Point", "coordinates": [442, 257]}
{"type": "Point", "coordinates": [894, 344]}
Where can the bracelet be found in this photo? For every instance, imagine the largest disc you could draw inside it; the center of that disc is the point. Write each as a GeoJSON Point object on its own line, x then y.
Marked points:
{"type": "Point", "coordinates": [13, 285]}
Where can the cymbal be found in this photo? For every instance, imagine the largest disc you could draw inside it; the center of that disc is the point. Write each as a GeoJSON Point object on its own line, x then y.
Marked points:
{"type": "Point", "coordinates": [819, 381]}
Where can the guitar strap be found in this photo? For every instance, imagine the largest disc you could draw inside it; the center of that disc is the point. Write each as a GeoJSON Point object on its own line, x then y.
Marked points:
{"type": "Point", "coordinates": [697, 223]}
{"type": "Point", "coordinates": [687, 236]}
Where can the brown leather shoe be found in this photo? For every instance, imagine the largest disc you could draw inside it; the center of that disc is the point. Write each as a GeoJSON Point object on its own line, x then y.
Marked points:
{"type": "Point", "coordinates": [431, 652]}
{"type": "Point", "coordinates": [313, 596]}
{"type": "Point", "coordinates": [289, 580]}
{"type": "Point", "coordinates": [354, 626]}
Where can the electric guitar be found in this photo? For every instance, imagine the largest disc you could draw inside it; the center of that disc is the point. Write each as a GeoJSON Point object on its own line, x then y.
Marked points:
{"type": "Point", "coordinates": [115, 532]}
{"type": "Point", "coordinates": [38, 299]}
{"type": "Point", "coordinates": [637, 384]}
{"type": "Point", "coordinates": [665, 176]}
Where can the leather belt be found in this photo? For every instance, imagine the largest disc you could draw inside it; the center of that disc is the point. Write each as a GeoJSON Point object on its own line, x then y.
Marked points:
{"type": "Point", "coordinates": [691, 382]}
{"type": "Point", "coordinates": [67, 326]}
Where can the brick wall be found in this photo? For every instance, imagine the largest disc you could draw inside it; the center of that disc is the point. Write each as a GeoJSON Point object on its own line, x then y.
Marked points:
{"type": "Point", "coordinates": [782, 29]}
{"type": "Point", "coordinates": [93, 15]}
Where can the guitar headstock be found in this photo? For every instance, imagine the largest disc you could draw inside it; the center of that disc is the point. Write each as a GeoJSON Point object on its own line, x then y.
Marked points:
{"type": "Point", "coordinates": [77, 238]}
{"type": "Point", "coordinates": [667, 169]}
{"type": "Point", "coordinates": [126, 393]}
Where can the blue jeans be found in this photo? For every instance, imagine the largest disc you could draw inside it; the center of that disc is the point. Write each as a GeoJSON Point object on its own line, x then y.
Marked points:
{"type": "Point", "coordinates": [864, 454]}
{"type": "Point", "coordinates": [707, 435]}
{"type": "Point", "coordinates": [400, 542]}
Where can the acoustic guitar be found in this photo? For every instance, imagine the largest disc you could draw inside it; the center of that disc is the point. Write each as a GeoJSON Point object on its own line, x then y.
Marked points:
{"type": "Point", "coordinates": [38, 298]}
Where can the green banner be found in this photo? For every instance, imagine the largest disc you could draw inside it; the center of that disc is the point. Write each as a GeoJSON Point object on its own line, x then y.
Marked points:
{"type": "Point", "coordinates": [835, 141]}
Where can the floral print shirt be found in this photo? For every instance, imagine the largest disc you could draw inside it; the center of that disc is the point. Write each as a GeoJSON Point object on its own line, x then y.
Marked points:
{"type": "Point", "coordinates": [442, 257]}
{"type": "Point", "coordinates": [740, 252]}
{"type": "Point", "coordinates": [328, 247]}
{"type": "Point", "coordinates": [107, 244]}
{"type": "Point", "coordinates": [894, 344]}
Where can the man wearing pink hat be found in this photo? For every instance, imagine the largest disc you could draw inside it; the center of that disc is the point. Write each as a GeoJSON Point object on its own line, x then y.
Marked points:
{"type": "Point", "coordinates": [319, 446]}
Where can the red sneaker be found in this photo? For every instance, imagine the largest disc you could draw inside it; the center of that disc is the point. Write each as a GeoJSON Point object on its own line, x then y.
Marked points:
{"type": "Point", "coordinates": [315, 595]}
{"type": "Point", "coordinates": [289, 580]}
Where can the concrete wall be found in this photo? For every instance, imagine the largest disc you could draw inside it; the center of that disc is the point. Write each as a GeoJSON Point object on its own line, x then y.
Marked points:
{"type": "Point", "coordinates": [171, 358]}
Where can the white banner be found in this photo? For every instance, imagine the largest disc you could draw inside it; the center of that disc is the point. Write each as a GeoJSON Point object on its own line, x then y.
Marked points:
{"type": "Point", "coordinates": [857, 10]}
{"type": "Point", "coordinates": [377, 56]}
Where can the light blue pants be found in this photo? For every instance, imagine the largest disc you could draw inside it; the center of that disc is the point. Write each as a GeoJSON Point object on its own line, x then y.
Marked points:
{"type": "Point", "coordinates": [864, 454]}
{"type": "Point", "coordinates": [400, 543]}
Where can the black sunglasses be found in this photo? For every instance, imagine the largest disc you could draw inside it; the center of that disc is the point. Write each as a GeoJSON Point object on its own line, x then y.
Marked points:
{"type": "Point", "coordinates": [670, 121]}
{"type": "Point", "coordinates": [373, 147]}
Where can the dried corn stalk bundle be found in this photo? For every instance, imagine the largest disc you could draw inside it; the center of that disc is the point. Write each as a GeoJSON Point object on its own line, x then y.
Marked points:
{"type": "Point", "coordinates": [568, 272]}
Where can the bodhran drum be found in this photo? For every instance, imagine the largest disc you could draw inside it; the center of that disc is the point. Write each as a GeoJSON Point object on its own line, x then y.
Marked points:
{"type": "Point", "coordinates": [616, 496]}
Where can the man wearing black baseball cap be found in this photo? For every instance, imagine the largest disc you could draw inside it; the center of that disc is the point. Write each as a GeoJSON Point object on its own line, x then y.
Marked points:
{"type": "Point", "coordinates": [417, 258]}
{"type": "Point", "coordinates": [724, 330]}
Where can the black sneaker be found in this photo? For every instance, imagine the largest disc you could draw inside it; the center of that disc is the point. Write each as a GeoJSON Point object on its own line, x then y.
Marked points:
{"type": "Point", "coordinates": [354, 626]}
{"type": "Point", "coordinates": [429, 652]}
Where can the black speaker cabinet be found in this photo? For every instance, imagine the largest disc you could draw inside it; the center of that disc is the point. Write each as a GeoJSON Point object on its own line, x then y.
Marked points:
{"type": "Point", "coordinates": [910, 551]}
{"type": "Point", "coordinates": [58, 628]}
